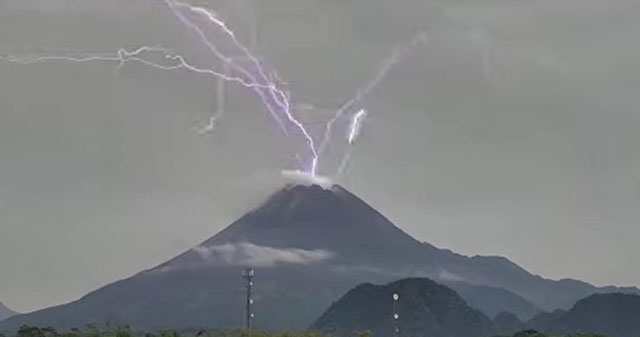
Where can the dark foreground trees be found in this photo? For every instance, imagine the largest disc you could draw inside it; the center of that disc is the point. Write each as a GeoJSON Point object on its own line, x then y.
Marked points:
{"type": "Point", "coordinates": [124, 331]}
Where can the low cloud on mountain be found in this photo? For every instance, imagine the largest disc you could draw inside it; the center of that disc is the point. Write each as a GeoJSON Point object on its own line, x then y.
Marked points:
{"type": "Point", "coordinates": [248, 254]}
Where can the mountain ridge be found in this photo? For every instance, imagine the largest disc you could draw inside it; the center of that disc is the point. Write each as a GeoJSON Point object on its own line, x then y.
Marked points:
{"type": "Point", "coordinates": [309, 245]}
{"type": "Point", "coordinates": [613, 314]}
{"type": "Point", "coordinates": [424, 307]}
{"type": "Point", "coordinates": [371, 307]}
{"type": "Point", "coordinates": [6, 312]}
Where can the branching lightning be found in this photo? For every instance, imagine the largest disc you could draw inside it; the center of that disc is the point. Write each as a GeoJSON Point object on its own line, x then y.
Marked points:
{"type": "Point", "coordinates": [278, 96]}
{"type": "Point", "coordinates": [267, 85]}
{"type": "Point", "coordinates": [396, 56]}
{"type": "Point", "coordinates": [123, 56]}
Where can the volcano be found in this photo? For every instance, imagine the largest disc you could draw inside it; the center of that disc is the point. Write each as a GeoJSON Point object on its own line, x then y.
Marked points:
{"type": "Point", "coordinates": [308, 245]}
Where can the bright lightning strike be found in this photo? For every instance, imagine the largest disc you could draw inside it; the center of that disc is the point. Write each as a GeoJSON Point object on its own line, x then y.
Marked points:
{"type": "Point", "coordinates": [267, 85]}
{"type": "Point", "coordinates": [276, 100]}
{"type": "Point", "coordinates": [276, 95]}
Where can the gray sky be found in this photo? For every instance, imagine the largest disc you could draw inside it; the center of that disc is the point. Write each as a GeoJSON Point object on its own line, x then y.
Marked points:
{"type": "Point", "coordinates": [514, 131]}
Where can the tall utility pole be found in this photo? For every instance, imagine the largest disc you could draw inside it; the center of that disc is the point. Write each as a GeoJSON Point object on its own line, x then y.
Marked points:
{"type": "Point", "coordinates": [396, 330]}
{"type": "Point", "coordinates": [247, 274]}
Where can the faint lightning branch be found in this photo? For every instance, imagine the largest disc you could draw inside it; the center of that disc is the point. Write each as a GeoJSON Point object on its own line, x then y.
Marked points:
{"type": "Point", "coordinates": [354, 132]}
{"type": "Point", "coordinates": [213, 121]}
{"type": "Point", "coordinates": [344, 163]}
{"type": "Point", "coordinates": [396, 56]}
{"type": "Point", "coordinates": [354, 128]}
{"type": "Point", "coordinates": [220, 108]}
{"type": "Point", "coordinates": [123, 56]}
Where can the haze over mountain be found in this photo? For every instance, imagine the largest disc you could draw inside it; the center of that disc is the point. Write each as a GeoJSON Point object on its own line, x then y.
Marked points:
{"type": "Point", "coordinates": [309, 245]}
{"type": "Point", "coordinates": [428, 309]}
{"type": "Point", "coordinates": [506, 323]}
{"type": "Point", "coordinates": [612, 314]}
{"type": "Point", "coordinates": [493, 301]}
{"type": "Point", "coordinates": [5, 312]}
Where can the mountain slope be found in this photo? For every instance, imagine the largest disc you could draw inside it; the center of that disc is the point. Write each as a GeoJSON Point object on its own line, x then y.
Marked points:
{"type": "Point", "coordinates": [544, 320]}
{"type": "Point", "coordinates": [493, 301]}
{"type": "Point", "coordinates": [309, 245]}
{"type": "Point", "coordinates": [506, 324]}
{"type": "Point", "coordinates": [5, 312]}
{"type": "Point", "coordinates": [425, 309]}
{"type": "Point", "coordinates": [608, 314]}
{"type": "Point", "coordinates": [310, 217]}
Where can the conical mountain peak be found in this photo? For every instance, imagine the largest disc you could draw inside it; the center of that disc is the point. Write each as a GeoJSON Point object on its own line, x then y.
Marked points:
{"type": "Point", "coordinates": [309, 245]}
{"type": "Point", "coordinates": [291, 197]}
{"type": "Point", "coordinates": [312, 217]}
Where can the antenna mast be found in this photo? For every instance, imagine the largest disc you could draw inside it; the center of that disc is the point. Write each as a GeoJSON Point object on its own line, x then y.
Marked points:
{"type": "Point", "coordinates": [247, 274]}
{"type": "Point", "coordinates": [396, 330]}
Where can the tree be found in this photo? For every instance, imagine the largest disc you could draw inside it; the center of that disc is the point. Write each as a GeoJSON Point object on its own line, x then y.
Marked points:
{"type": "Point", "coordinates": [32, 331]}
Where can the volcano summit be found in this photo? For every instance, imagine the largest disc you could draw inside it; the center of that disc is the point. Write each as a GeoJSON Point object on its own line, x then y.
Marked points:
{"type": "Point", "coordinates": [309, 245]}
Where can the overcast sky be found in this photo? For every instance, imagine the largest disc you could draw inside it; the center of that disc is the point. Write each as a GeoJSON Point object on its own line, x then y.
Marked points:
{"type": "Point", "coordinates": [514, 131]}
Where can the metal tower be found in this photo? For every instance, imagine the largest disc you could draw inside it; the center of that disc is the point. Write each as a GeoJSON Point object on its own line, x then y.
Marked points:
{"type": "Point", "coordinates": [247, 274]}
{"type": "Point", "coordinates": [396, 330]}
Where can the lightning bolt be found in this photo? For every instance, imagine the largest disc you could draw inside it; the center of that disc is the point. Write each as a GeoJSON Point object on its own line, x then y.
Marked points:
{"type": "Point", "coordinates": [123, 56]}
{"type": "Point", "coordinates": [277, 95]}
{"type": "Point", "coordinates": [264, 84]}
{"type": "Point", "coordinates": [396, 56]}
{"type": "Point", "coordinates": [268, 86]}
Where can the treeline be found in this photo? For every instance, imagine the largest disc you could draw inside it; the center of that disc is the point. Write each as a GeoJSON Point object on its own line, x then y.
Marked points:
{"type": "Point", "coordinates": [534, 333]}
{"type": "Point", "coordinates": [124, 331]}
{"type": "Point", "coordinates": [91, 331]}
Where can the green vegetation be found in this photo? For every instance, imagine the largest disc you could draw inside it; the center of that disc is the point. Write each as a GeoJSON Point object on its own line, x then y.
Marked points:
{"type": "Point", "coordinates": [91, 331]}
{"type": "Point", "coordinates": [119, 331]}
{"type": "Point", "coordinates": [534, 333]}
